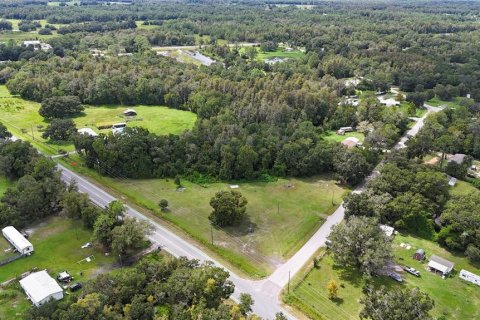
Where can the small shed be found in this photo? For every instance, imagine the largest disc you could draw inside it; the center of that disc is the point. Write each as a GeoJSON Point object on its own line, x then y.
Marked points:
{"type": "Point", "coordinates": [419, 255]}
{"type": "Point", "coordinates": [17, 240]}
{"type": "Point", "coordinates": [441, 265]}
{"type": "Point", "coordinates": [41, 288]}
{"type": "Point", "coordinates": [129, 113]}
{"type": "Point", "coordinates": [387, 230]}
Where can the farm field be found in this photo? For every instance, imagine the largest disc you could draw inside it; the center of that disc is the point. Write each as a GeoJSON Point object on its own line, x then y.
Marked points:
{"type": "Point", "coordinates": [454, 297]}
{"type": "Point", "coordinates": [282, 215]}
{"type": "Point", "coordinates": [22, 119]}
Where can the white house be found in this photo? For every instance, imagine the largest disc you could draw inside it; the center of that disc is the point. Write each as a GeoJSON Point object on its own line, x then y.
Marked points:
{"type": "Point", "coordinates": [41, 288]}
{"type": "Point", "coordinates": [17, 240]}
{"type": "Point", "coordinates": [389, 102]}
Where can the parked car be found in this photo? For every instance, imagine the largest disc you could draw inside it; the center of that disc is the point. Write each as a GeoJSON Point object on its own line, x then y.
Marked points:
{"type": "Point", "coordinates": [87, 245]}
{"type": "Point", "coordinates": [75, 287]}
{"type": "Point", "coordinates": [412, 271]}
{"type": "Point", "coordinates": [64, 277]}
{"type": "Point", "coordinates": [395, 276]}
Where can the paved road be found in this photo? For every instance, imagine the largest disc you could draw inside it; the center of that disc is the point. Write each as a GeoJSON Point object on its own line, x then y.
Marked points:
{"type": "Point", "coordinates": [280, 276]}
{"type": "Point", "coordinates": [265, 292]}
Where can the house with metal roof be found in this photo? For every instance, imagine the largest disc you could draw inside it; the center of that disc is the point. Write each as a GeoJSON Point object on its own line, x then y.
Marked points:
{"type": "Point", "coordinates": [17, 240]}
{"type": "Point", "coordinates": [41, 288]}
{"type": "Point", "coordinates": [441, 265]}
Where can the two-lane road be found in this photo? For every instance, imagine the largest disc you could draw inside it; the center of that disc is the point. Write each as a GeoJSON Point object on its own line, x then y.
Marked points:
{"type": "Point", "coordinates": [264, 292]}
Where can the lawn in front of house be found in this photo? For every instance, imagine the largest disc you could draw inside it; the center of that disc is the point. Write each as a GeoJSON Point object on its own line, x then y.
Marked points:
{"type": "Point", "coordinates": [57, 244]}
{"type": "Point", "coordinates": [22, 119]}
{"type": "Point", "coordinates": [454, 297]}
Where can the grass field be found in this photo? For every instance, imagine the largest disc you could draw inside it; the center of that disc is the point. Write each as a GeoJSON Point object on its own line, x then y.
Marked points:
{"type": "Point", "coordinates": [454, 298]}
{"type": "Point", "coordinates": [333, 136]}
{"type": "Point", "coordinates": [57, 243]}
{"type": "Point", "coordinates": [22, 119]}
{"type": "Point", "coordinates": [436, 102]}
{"type": "Point", "coordinates": [281, 52]}
{"type": "Point", "coordinates": [463, 188]}
{"type": "Point", "coordinates": [281, 215]}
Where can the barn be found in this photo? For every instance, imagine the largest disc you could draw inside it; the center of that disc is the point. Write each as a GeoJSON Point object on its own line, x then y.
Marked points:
{"type": "Point", "coordinates": [17, 240]}
{"type": "Point", "coordinates": [41, 288]}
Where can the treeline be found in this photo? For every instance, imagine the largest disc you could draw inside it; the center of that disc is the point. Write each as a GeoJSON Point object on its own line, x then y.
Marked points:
{"type": "Point", "coordinates": [39, 192]}
{"type": "Point", "coordinates": [97, 26]}
{"type": "Point", "coordinates": [413, 46]}
{"type": "Point", "coordinates": [156, 288]}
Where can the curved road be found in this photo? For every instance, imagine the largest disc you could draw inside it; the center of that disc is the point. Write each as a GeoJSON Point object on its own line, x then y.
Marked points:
{"type": "Point", "coordinates": [264, 292]}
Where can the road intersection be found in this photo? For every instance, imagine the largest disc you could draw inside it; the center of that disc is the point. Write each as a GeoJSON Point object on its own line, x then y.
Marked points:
{"type": "Point", "coordinates": [266, 292]}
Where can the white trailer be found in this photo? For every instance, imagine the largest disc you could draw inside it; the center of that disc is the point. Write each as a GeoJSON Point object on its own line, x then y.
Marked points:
{"type": "Point", "coordinates": [17, 240]}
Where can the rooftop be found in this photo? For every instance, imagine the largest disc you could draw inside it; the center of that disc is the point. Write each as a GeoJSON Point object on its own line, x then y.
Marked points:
{"type": "Point", "coordinates": [39, 286]}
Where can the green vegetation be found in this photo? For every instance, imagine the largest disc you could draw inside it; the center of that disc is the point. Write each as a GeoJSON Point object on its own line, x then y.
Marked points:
{"type": "Point", "coordinates": [280, 53]}
{"type": "Point", "coordinates": [437, 102]}
{"type": "Point", "coordinates": [13, 302]}
{"type": "Point", "coordinates": [57, 243]}
{"type": "Point", "coordinates": [463, 188]}
{"type": "Point", "coordinates": [454, 297]}
{"type": "Point", "coordinates": [4, 184]}
{"type": "Point", "coordinates": [333, 136]}
{"type": "Point", "coordinates": [22, 119]}
{"type": "Point", "coordinates": [281, 215]}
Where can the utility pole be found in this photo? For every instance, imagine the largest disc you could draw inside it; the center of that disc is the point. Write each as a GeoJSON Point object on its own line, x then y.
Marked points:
{"type": "Point", "coordinates": [333, 196]}
{"type": "Point", "coordinates": [211, 233]}
{"type": "Point", "coordinates": [288, 285]}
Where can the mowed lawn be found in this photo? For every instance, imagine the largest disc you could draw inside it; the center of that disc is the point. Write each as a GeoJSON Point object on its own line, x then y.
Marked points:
{"type": "Point", "coordinates": [22, 119]}
{"type": "Point", "coordinates": [454, 297]}
{"type": "Point", "coordinates": [57, 243]}
{"type": "Point", "coordinates": [333, 136]}
{"type": "Point", "coordinates": [281, 215]}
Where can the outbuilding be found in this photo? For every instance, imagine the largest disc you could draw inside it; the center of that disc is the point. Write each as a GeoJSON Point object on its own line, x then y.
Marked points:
{"type": "Point", "coordinates": [88, 132]}
{"type": "Point", "coordinates": [470, 277]}
{"type": "Point", "coordinates": [419, 255]}
{"type": "Point", "coordinates": [441, 265]}
{"type": "Point", "coordinates": [17, 240]}
{"type": "Point", "coordinates": [129, 113]}
{"type": "Point", "coordinates": [41, 288]}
